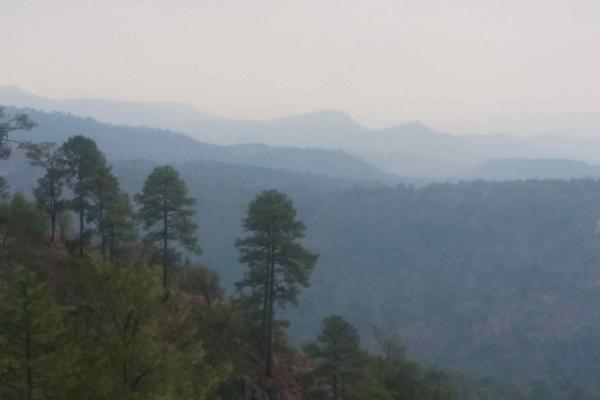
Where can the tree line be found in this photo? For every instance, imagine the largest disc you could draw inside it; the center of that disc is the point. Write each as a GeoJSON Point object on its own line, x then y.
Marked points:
{"type": "Point", "coordinates": [114, 310]}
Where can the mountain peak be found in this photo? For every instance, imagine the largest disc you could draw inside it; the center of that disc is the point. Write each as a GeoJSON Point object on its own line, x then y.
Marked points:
{"type": "Point", "coordinates": [411, 128]}
{"type": "Point", "coordinates": [415, 126]}
{"type": "Point", "coordinates": [329, 117]}
{"type": "Point", "coordinates": [332, 114]}
{"type": "Point", "coordinates": [11, 89]}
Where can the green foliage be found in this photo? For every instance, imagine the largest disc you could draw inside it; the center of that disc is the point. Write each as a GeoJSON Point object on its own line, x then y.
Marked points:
{"type": "Point", "coordinates": [492, 279]}
{"type": "Point", "coordinates": [84, 162]}
{"type": "Point", "coordinates": [369, 387]}
{"type": "Point", "coordinates": [343, 369]}
{"type": "Point", "coordinates": [22, 233]}
{"type": "Point", "coordinates": [10, 124]}
{"type": "Point", "coordinates": [416, 260]}
{"type": "Point", "coordinates": [201, 282]}
{"type": "Point", "coordinates": [83, 159]}
{"type": "Point", "coordinates": [273, 244]}
{"type": "Point", "coordinates": [223, 328]}
{"type": "Point", "coordinates": [119, 226]}
{"type": "Point", "coordinates": [166, 213]}
{"type": "Point", "coordinates": [338, 357]}
{"type": "Point", "coordinates": [50, 186]}
{"type": "Point", "coordinates": [111, 212]}
{"type": "Point", "coordinates": [277, 263]}
{"type": "Point", "coordinates": [98, 198]}
{"type": "Point", "coordinates": [136, 345]}
{"type": "Point", "coordinates": [38, 356]}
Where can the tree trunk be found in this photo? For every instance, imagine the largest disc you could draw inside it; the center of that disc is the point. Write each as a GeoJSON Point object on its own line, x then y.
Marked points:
{"type": "Point", "coordinates": [81, 227]}
{"type": "Point", "coordinates": [52, 226]}
{"type": "Point", "coordinates": [103, 246]}
{"type": "Point", "coordinates": [28, 371]}
{"type": "Point", "coordinates": [265, 310]}
{"type": "Point", "coordinates": [165, 245]}
{"type": "Point", "coordinates": [265, 313]}
{"type": "Point", "coordinates": [270, 316]}
{"type": "Point", "coordinates": [111, 246]}
{"type": "Point", "coordinates": [101, 224]}
{"type": "Point", "coordinates": [52, 211]}
{"type": "Point", "coordinates": [335, 387]}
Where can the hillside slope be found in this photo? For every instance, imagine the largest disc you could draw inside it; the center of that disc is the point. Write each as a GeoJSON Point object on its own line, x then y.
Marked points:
{"type": "Point", "coordinates": [498, 279]}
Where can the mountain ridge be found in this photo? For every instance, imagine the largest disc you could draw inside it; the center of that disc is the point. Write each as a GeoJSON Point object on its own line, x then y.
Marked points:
{"type": "Point", "coordinates": [408, 149]}
{"type": "Point", "coordinates": [122, 142]}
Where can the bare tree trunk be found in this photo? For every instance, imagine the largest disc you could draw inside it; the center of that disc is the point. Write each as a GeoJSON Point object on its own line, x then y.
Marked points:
{"type": "Point", "coordinates": [165, 246]}
{"type": "Point", "coordinates": [103, 246]}
{"type": "Point", "coordinates": [265, 314]}
{"type": "Point", "coordinates": [81, 227]}
{"type": "Point", "coordinates": [111, 246]}
{"type": "Point", "coordinates": [270, 316]}
{"type": "Point", "coordinates": [52, 226]}
{"type": "Point", "coordinates": [335, 387]}
{"type": "Point", "coordinates": [52, 212]}
{"type": "Point", "coordinates": [28, 371]}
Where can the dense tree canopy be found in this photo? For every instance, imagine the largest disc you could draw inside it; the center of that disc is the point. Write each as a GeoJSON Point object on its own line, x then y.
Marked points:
{"type": "Point", "coordinates": [495, 279]}
{"type": "Point", "coordinates": [38, 356]}
{"type": "Point", "coordinates": [338, 357]}
{"type": "Point", "coordinates": [22, 233]}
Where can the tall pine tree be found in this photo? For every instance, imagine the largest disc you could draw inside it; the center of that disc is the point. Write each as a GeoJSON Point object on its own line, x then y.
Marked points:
{"type": "Point", "coordinates": [166, 213]}
{"type": "Point", "coordinates": [84, 160]}
{"type": "Point", "coordinates": [48, 193]}
{"type": "Point", "coordinates": [278, 264]}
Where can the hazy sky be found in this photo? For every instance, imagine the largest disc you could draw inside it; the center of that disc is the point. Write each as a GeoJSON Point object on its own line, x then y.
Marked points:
{"type": "Point", "coordinates": [468, 66]}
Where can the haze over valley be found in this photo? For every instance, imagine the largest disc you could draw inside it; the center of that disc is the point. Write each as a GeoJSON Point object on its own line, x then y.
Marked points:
{"type": "Point", "coordinates": [267, 200]}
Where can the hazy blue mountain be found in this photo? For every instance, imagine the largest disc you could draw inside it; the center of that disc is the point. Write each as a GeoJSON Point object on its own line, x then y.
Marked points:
{"type": "Point", "coordinates": [122, 142]}
{"type": "Point", "coordinates": [515, 168]}
{"type": "Point", "coordinates": [326, 129]}
{"type": "Point", "coordinates": [422, 166]}
{"type": "Point", "coordinates": [505, 146]}
{"type": "Point", "coordinates": [410, 149]}
{"type": "Point", "coordinates": [172, 116]}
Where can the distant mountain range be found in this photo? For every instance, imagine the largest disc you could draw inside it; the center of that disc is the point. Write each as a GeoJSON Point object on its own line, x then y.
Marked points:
{"type": "Point", "coordinates": [410, 149]}
{"type": "Point", "coordinates": [122, 142]}
{"type": "Point", "coordinates": [520, 169]}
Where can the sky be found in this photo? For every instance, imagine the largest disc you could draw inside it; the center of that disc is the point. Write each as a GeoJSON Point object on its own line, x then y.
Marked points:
{"type": "Point", "coordinates": [463, 66]}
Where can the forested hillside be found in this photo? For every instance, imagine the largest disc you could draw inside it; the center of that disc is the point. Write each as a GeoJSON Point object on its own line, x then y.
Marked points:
{"type": "Point", "coordinates": [300, 200]}
{"type": "Point", "coordinates": [99, 297]}
{"type": "Point", "coordinates": [496, 281]}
